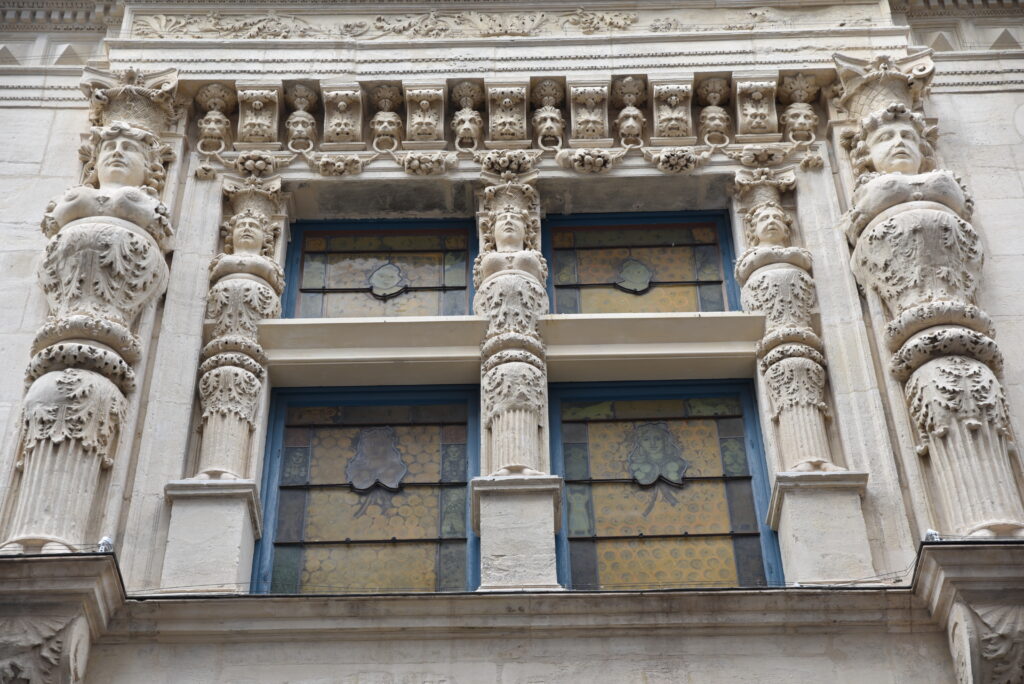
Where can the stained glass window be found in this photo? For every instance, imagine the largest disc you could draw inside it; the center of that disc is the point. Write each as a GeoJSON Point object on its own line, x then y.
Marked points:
{"type": "Point", "coordinates": [658, 494]}
{"type": "Point", "coordinates": [372, 499]}
{"type": "Point", "coordinates": [383, 273]}
{"type": "Point", "coordinates": [637, 268]}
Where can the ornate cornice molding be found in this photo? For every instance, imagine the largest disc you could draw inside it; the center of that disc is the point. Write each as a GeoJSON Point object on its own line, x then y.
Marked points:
{"type": "Point", "coordinates": [60, 15]}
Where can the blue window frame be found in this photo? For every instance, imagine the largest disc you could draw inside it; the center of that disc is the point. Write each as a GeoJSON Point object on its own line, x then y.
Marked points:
{"type": "Point", "coordinates": [301, 231]}
{"type": "Point", "coordinates": [367, 412]}
{"type": "Point", "coordinates": [701, 488]}
{"type": "Point", "coordinates": [666, 237]}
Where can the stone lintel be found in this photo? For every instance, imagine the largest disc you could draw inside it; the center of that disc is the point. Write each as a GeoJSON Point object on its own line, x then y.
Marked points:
{"type": "Point", "coordinates": [815, 480]}
{"type": "Point", "coordinates": [87, 584]}
{"type": "Point", "coordinates": [976, 571]}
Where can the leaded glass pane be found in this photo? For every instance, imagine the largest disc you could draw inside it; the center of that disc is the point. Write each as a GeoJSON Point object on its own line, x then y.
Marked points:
{"type": "Point", "coordinates": [658, 494]}
{"type": "Point", "coordinates": [637, 269]}
{"type": "Point", "coordinates": [372, 498]}
{"type": "Point", "coordinates": [384, 273]}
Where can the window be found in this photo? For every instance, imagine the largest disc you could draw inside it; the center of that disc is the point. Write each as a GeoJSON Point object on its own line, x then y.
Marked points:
{"type": "Point", "coordinates": [665, 486]}
{"type": "Point", "coordinates": [366, 269]}
{"type": "Point", "coordinates": [366, 491]}
{"type": "Point", "coordinates": [640, 263]}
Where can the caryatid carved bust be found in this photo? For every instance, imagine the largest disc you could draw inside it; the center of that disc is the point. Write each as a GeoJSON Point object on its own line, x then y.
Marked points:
{"type": "Point", "coordinates": [510, 236]}
{"type": "Point", "coordinates": [249, 241]}
{"type": "Point", "coordinates": [799, 122]}
{"type": "Point", "coordinates": [768, 225]}
{"type": "Point", "coordinates": [893, 140]}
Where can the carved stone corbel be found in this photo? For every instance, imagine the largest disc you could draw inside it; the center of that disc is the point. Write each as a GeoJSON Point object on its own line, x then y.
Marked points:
{"type": "Point", "coordinates": [467, 123]}
{"type": "Point", "coordinates": [386, 124]}
{"type": "Point", "coordinates": [300, 126]}
{"type": "Point", "coordinates": [799, 120]}
{"type": "Point", "coordinates": [588, 105]}
{"type": "Point", "coordinates": [629, 94]}
{"type": "Point", "coordinates": [507, 106]}
{"type": "Point", "coordinates": [548, 120]}
{"type": "Point", "coordinates": [425, 116]}
{"type": "Point", "coordinates": [217, 101]}
{"type": "Point", "coordinates": [715, 123]}
{"type": "Point", "coordinates": [343, 117]}
{"type": "Point", "coordinates": [757, 119]}
{"type": "Point", "coordinates": [104, 263]}
{"type": "Point", "coordinates": [259, 112]}
{"type": "Point", "coordinates": [673, 123]}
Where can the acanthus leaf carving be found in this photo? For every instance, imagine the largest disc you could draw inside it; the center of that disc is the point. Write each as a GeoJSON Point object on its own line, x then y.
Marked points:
{"type": "Point", "coordinates": [43, 650]}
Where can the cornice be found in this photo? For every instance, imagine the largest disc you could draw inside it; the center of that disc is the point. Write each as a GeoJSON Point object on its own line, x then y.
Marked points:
{"type": "Point", "coordinates": [60, 15]}
{"type": "Point", "coordinates": [913, 9]}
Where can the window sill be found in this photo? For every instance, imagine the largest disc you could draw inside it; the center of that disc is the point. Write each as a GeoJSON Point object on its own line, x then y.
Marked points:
{"type": "Point", "coordinates": [320, 352]}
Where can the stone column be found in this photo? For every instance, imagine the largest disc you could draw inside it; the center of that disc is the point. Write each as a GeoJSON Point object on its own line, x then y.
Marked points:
{"type": "Point", "coordinates": [104, 263]}
{"type": "Point", "coordinates": [816, 504]}
{"type": "Point", "coordinates": [246, 284]}
{"type": "Point", "coordinates": [516, 503]}
{"type": "Point", "coordinates": [913, 246]}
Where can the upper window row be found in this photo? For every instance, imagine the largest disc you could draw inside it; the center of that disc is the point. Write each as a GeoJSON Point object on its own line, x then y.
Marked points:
{"type": "Point", "coordinates": [640, 263]}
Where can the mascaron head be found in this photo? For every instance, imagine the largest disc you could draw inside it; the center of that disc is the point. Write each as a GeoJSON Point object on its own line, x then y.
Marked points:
{"type": "Point", "coordinates": [799, 121]}
{"type": "Point", "coordinates": [249, 232]}
{"type": "Point", "coordinates": [121, 155]}
{"type": "Point", "coordinates": [468, 126]}
{"type": "Point", "coordinates": [892, 140]}
{"type": "Point", "coordinates": [714, 124]}
{"type": "Point", "coordinates": [767, 224]}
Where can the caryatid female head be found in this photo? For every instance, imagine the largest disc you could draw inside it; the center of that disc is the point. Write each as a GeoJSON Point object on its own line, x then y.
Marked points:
{"type": "Point", "coordinates": [249, 233]}
{"type": "Point", "coordinates": [511, 224]}
{"type": "Point", "coordinates": [893, 140]}
{"type": "Point", "coordinates": [767, 225]}
{"type": "Point", "coordinates": [119, 155]}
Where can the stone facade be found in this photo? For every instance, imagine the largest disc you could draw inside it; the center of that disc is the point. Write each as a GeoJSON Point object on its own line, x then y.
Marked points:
{"type": "Point", "coordinates": [870, 155]}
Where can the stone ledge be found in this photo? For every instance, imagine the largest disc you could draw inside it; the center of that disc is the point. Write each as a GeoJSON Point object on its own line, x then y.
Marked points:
{"type": "Point", "coordinates": [248, 490]}
{"type": "Point", "coordinates": [968, 568]}
{"type": "Point", "coordinates": [516, 484]}
{"type": "Point", "coordinates": [791, 481]}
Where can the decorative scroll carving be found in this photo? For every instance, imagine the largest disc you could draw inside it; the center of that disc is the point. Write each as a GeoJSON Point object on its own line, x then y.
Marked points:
{"type": "Point", "coordinates": [672, 111]}
{"type": "Point", "coordinates": [548, 121]}
{"type": "Point", "coordinates": [425, 107]}
{"type": "Point", "coordinates": [343, 113]}
{"type": "Point", "coordinates": [776, 280]}
{"type": "Point", "coordinates": [987, 641]}
{"type": "Point", "coordinates": [589, 108]}
{"type": "Point", "coordinates": [244, 26]}
{"type": "Point", "coordinates": [44, 650]}
{"type": "Point", "coordinates": [467, 123]}
{"type": "Point", "coordinates": [507, 111]}
{"type": "Point", "coordinates": [755, 108]}
{"type": "Point", "coordinates": [104, 263]}
{"type": "Point", "coordinates": [246, 284]}
{"type": "Point", "coordinates": [258, 115]}
{"type": "Point", "coordinates": [509, 275]}
{"type": "Point", "coordinates": [600, 22]}
{"type": "Point", "coordinates": [914, 246]}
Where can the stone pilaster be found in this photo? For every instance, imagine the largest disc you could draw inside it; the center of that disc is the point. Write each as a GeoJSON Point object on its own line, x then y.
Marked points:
{"type": "Point", "coordinates": [104, 264]}
{"type": "Point", "coordinates": [509, 275]}
{"type": "Point", "coordinates": [816, 504]}
{"type": "Point", "coordinates": [914, 247]}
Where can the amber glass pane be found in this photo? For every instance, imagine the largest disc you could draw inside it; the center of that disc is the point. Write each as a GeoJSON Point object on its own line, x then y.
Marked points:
{"type": "Point", "coordinates": [416, 447]}
{"type": "Point", "coordinates": [714, 406]}
{"type": "Point", "coordinates": [666, 264]}
{"type": "Point", "coordinates": [694, 441]}
{"type": "Point", "coordinates": [630, 236]}
{"type": "Point", "coordinates": [313, 271]}
{"type": "Point", "coordinates": [336, 514]}
{"type": "Point", "coordinates": [660, 563]}
{"type": "Point", "coordinates": [659, 298]}
{"type": "Point", "coordinates": [369, 568]}
{"type": "Point", "coordinates": [365, 305]}
{"type": "Point", "coordinates": [375, 415]}
{"type": "Point", "coordinates": [699, 507]}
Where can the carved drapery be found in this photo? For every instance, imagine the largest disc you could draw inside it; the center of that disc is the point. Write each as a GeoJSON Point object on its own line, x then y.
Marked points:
{"type": "Point", "coordinates": [914, 247]}
{"type": "Point", "coordinates": [245, 287]}
{"type": "Point", "coordinates": [509, 276]}
{"type": "Point", "coordinates": [776, 280]}
{"type": "Point", "coordinates": [104, 263]}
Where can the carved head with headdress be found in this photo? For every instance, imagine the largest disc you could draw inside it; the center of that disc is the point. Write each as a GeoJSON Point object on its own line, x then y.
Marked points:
{"type": "Point", "coordinates": [120, 155]}
{"type": "Point", "coordinates": [892, 140]}
{"type": "Point", "coordinates": [512, 223]}
{"type": "Point", "coordinates": [249, 232]}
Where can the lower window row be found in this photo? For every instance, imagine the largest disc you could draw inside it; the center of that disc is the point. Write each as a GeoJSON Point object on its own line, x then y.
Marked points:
{"type": "Point", "coordinates": [367, 490]}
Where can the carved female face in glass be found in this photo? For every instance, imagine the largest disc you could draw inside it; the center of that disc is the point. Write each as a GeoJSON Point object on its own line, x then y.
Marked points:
{"type": "Point", "coordinates": [656, 454]}
{"type": "Point", "coordinates": [770, 225]}
{"type": "Point", "coordinates": [895, 147]}
{"type": "Point", "coordinates": [121, 161]}
{"type": "Point", "coordinates": [247, 236]}
{"type": "Point", "coordinates": [509, 230]}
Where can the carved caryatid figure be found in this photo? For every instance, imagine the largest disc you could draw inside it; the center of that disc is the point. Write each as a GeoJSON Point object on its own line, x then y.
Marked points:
{"type": "Point", "coordinates": [509, 275]}
{"type": "Point", "coordinates": [913, 245]}
{"type": "Point", "coordinates": [104, 263]}
{"type": "Point", "coordinates": [246, 288]}
{"type": "Point", "coordinates": [776, 279]}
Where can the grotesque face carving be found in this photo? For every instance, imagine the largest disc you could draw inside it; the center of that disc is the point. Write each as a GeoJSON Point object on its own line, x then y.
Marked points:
{"type": "Point", "coordinates": [714, 125]}
{"type": "Point", "coordinates": [509, 230]}
{"type": "Point", "coordinates": [120, 161]}
{"type": "Point", "coordinates": [630, 123]}
{"type": "Point", "coordinates": [673, 122]}
{"type": "Point", "coordinates": [769, 225]}
{"type": "Point", "coordinates": [301, 127]}
{"type": "Point", "coordinates": [386, 126]}
{"type": "Point", "coordinates": [549, 125]}
{"type": "Point", "coordinates": [214, 126]}
{"type": "Point", "coordinates": [467, 124]}
{"type": "Point", "coordinates": [799, 121]}
{"type": "Point", "coordinates": [895, 147]}
{"type": "Point", "coordinates": [589, 126]}
{"type": "Point", "coordinates": [507, 126]}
